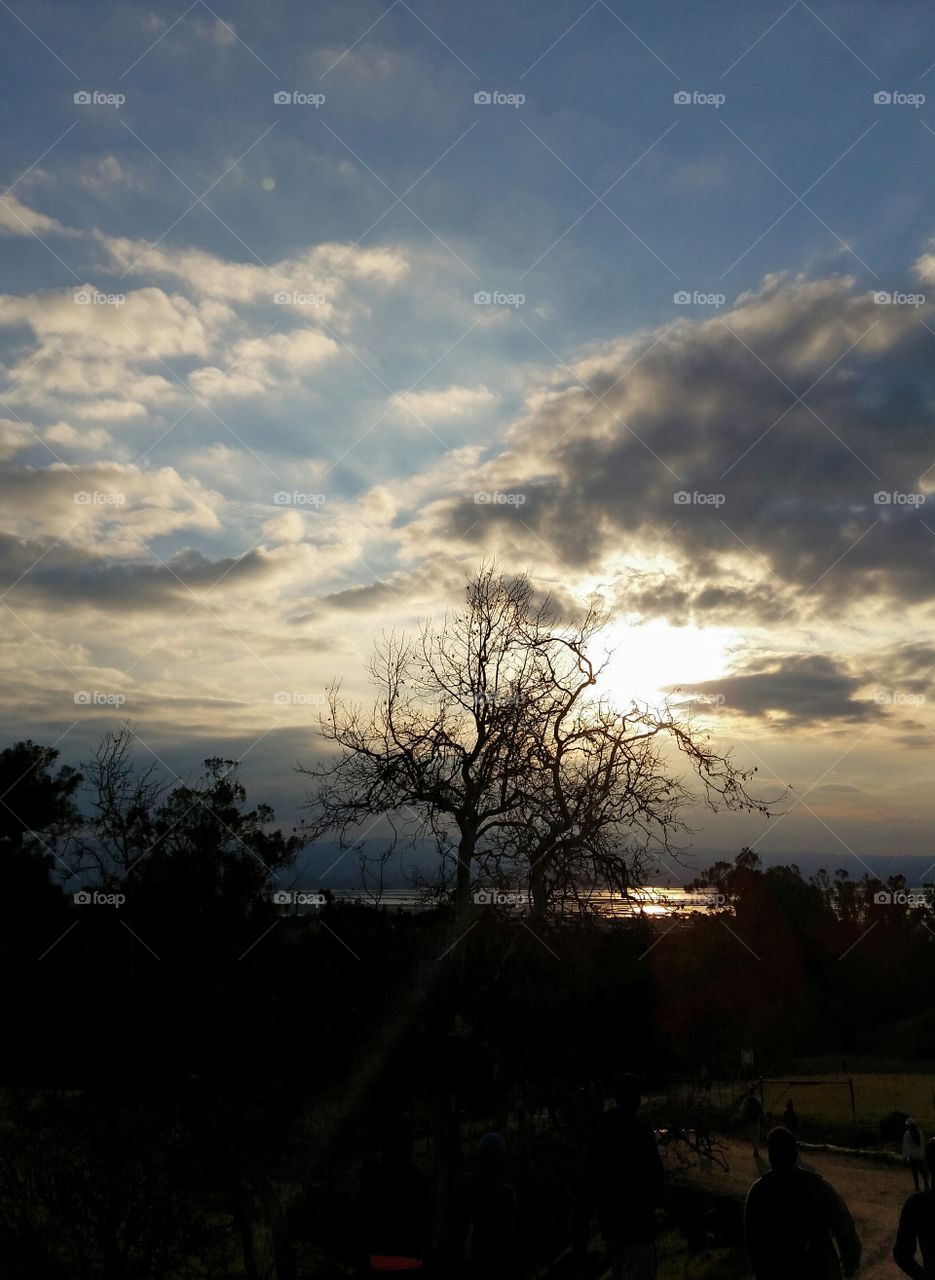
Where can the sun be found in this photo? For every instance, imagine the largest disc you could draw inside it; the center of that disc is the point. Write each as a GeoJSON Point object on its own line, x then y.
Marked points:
{"type": "Point", "coordinates": [650, 658]}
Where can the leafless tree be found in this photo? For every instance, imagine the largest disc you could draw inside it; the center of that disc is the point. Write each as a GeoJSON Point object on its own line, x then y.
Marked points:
{"type": "Point", "coordinates": [487, 736]}
{"type": "Point", "coordinates": [603, 801]}
{"type": "Point", "coordinates": [124, 797]}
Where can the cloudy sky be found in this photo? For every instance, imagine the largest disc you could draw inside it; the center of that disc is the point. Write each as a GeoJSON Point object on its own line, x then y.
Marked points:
{"type": "Point", "coordinates": [305, 309]}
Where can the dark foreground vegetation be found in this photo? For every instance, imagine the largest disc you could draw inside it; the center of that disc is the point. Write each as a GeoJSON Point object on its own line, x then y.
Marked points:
{"type": "Point", "coordinates": [196, 1084]}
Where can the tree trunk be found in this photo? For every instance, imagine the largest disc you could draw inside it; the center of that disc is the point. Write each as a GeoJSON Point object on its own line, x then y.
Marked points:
{"type": "Point", "coordinates": [463, 897]}
{"type": "Point", "coordinates": [538, 890]}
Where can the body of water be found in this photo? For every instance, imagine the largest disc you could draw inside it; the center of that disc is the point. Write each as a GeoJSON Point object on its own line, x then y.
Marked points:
{"type": "Point", "coordinates": [651, 900]}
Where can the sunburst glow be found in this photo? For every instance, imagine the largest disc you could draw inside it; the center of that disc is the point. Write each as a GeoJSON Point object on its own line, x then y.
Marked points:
{"type": "Point", "coordinates": [651, 659]}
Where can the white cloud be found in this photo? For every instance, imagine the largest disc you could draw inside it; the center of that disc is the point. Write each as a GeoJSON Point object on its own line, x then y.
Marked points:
{"type": "Point", "coordinates": [324, 270]}
{"type": "Point", "coordinates": [17, 219]}
{"type": "Point", "coordinates": [924, 266]}
{"type": "Point", "coordinates": [113, 410]}
{"type": "Point", "coordinates": [221, 34]}
{"type": "Point", "coordinates": [144, 322]}
{"type": "Point", "coordinates": [105, 175]}
{"type": "Point", "coordinates": [289, 527]}
{"type": "Point", "coordinates": [63, 433]}
{"type": "Point", "coordinates": [124, 508]}
{"type": "Point", "coordinates": [448, 402]}
{"type": "Point", "coordinates": [255, 365]}
{"type": "Point", "coordinates": [15, 437]}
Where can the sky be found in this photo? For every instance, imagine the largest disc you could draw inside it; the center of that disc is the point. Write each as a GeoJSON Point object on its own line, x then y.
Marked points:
{"type": "Point", "coordinates": [307, 309]}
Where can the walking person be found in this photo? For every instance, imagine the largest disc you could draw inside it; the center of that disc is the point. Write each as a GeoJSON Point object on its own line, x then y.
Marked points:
{"type": "Point", "coordinates": [623, 1179]}
{"type": "Point", "coordinates": [751, 1113]}
{"type": "Point", "coordinates": [796, 1226]}
{"type": "Point", "coordinates": [790, 1118]}
{"type": "Point", "coordinates": [914, 1152]}
{"type": "Point", "coordinates": [916, 1232]}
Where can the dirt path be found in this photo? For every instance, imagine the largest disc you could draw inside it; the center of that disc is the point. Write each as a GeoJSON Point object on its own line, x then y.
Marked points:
{"type": "Point", "coordinates": [874, 1194]}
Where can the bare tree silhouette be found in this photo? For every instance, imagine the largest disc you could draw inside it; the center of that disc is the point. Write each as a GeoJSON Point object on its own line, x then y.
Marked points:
{"type": "Point", "coordinates": [488, 724]}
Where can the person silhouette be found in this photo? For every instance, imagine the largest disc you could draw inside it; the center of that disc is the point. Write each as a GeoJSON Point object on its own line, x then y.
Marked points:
{"type": "Point", "coordinates": [916, 1229]}
{"type": "Point", "coordinates": [751, 1113]}
{"type": "Point", "coordinates": [790, 1118]}
{"type": "Point", "coordinates": [623, 1178]}
{"type": "Point", "coordinates": [795, 1223]}
{"type": "Point", "coordinates": [914, 1152]}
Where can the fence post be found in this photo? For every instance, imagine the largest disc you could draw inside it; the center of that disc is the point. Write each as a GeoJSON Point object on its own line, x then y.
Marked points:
{"type": "Point", "coordinates": [853, 1106]}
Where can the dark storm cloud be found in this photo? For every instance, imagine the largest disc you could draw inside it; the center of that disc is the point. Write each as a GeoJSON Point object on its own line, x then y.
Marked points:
{"type": "Point", "coordinates": [795, 689]}
{"type": "Point", "coordinates": [67, 575]}
{"type": "Point", "coordinates": [439, 584]}
{"type": "Point", "coordinates": [718, 602]}
{"type": "Point", "coordinates": [911, 666]}
{"type": "Point", "coordinates": [354, 599]}
{"type": "Point", "coordinates": [778, 491]}
{"type": "Point", "coordinates": [915, 741]}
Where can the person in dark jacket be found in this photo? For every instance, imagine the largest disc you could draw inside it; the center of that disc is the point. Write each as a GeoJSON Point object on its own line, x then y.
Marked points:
{"type": "Point", "coordinates": [751, 1113]}
{"type": "Point", "coordinates": [623, 1179]}
{"type": "Point", "coordinates": [916, 1230]}
{"type": "Point", "coordinates": [790, 1118]}
{"type": "Point", "coordinates": [489, 1213]}
{"type": "Point", "coordinates": [796, 1226]}
{"type": "Point", "coordinates": [914, 1154]}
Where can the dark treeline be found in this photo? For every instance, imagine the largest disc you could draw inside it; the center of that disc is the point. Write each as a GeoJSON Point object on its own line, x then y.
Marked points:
{"type": "Point", "coordinates": [195, 1083]}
